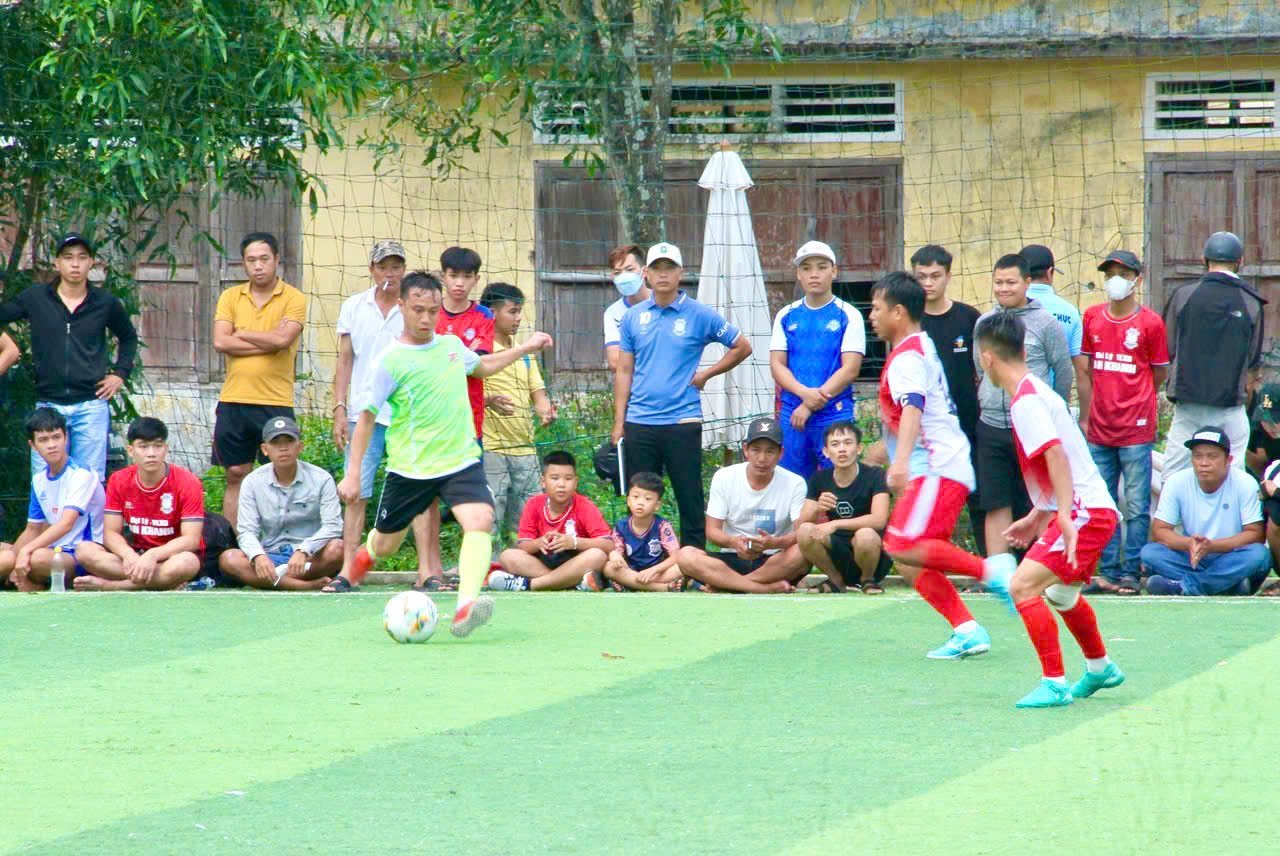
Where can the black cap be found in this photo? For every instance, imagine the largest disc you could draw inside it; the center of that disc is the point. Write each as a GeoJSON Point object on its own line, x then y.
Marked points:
{"type": "Point", "coordinates": [1122, 257]}
{"type": "Point", "coordinates": [1039, 259]}
{"type": "Point", "coordinates": [70, 240]}
{"type": "Point", "coordinates": [764, 429]}
{"type": "Point", "coordinates": [1211, 434]}
{"type": "Point", "coordinates": [279, 426]}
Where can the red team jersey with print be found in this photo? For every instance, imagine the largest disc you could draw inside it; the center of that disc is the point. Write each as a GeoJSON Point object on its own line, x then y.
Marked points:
{"type": "Point", "coordinates": [1041, 421]}
{"type": "Point", "coordinates": [580, 520]}
{"type": "Point", "coordinates": [1123, 352]}
{"type": "Point", "coordinates": [913, 374]}
{"type": "Point", "coordinates": [474, 326]}
{"type": "Point", "coordinates": [154, 515]}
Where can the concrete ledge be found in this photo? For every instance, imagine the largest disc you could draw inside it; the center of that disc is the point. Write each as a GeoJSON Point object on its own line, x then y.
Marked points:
{"type": "Point", "coordinates": [406, 579]}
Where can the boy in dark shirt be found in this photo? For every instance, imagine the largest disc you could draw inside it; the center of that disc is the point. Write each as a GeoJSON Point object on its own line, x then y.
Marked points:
{"type": "Point", "coordinates": [855, 501]}
{"type": "Point", "coordinates": [645, 545]}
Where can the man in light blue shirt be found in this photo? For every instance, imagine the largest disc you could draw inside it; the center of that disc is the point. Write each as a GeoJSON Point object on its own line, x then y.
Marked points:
{"type": "Point", "coordinates": [658, 386]}
{"type": "Point", "coordinates": [1040, 265]}
{"type": "Point", "coordinates": [1222, 548]}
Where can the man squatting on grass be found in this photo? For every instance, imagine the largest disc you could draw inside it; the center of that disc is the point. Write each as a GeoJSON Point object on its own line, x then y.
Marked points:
{"type": "Point", "coordinates": [65, 509]}
{"type": "Point", "coordinates": [290, 519]}
{"type": "Point", "coordinates": [432, 451]}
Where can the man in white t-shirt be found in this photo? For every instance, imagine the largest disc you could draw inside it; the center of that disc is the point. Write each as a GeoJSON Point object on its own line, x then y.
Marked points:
{"type": "Point", "coordinates": [752, 517]}
{"type": "Point", "coordinates": [1222, 548]}
{"type": "Point", "coordinates": [367, 323]}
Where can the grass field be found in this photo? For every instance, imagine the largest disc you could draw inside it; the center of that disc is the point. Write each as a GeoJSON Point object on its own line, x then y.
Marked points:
{"type": "Point", "coordinates": [232, 722]}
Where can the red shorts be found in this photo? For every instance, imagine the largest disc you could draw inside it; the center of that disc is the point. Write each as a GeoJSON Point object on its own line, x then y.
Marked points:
{"type": "Point", "coordinates": [1094, 527]}
{"type": "Point", "coordinates": [927, 511]}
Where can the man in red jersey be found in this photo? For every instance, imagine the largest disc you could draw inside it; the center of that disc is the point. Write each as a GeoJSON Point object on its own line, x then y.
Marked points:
{"type": "Point", "coordinates": [1129, 362]}
{"type": "Point", "coordinates": [162, 506]}
{"type": "Point", "coordinates": [472, 323]}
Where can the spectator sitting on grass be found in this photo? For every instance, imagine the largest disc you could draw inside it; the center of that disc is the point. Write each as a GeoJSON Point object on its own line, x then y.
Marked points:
{"type": "Point", "coordinates": [645, 545]}
{"type": "Point", "coordinates": [855, 500]}
{"type": "Point", "coordinates": [751, 516]}
{"type": "Point", "coordinates": [290, 519]}
{"type": "Point", "coordinates": [562, 538]}
{"type": "Point", "coordinates": [162, 505]}
{"type": "Point", "coordinates": [65, 509]}
{"type": "Point", "coordinates": [1221, 550]}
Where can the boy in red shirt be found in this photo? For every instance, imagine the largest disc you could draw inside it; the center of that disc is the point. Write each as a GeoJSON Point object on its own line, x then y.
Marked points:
{"type": "Point", "coordinates": [1129, 362]}
{"type": "Point", "coordinates": [563, 536]}
{"type": "Point", "coordinates": [1069, 525]}
{"type": "Point", "coordinates": [472, 323]}
{"type": "Point", "coordinates": [163, 507]}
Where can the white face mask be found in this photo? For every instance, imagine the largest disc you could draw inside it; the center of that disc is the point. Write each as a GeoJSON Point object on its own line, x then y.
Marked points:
{"type": "Point", "coordinates": [1118, 288]}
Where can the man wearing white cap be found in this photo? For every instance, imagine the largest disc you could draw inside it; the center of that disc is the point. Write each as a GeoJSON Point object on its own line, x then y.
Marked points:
{"type": "Point", "coordinates": [657, 388]}
{"type": "Point", "coordinates": [815, 353]}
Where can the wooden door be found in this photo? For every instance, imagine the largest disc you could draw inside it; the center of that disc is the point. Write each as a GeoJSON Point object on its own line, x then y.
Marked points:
{"type": "Point", "coordinates": [1190, 198]}
{"type": "Point", "coordinates": [853, 205]}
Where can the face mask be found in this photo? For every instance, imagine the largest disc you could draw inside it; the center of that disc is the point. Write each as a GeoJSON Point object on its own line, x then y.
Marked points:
{"type": "Point", "coordinates": [628, 283]}
{"type": "Point", "coordinates": [1118, 288]}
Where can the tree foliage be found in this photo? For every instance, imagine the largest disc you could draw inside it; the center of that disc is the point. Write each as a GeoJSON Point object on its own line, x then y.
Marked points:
{"type": "Point", "coordinates": [610, 61]}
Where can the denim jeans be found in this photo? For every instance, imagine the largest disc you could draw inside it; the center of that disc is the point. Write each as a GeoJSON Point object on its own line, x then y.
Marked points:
{"type": "Point", "coordinates": [1135, 509]}
{"type": "Point", "coordinates": [88, 427]}
{"type": "Point", "coordinates": [1218, 573]}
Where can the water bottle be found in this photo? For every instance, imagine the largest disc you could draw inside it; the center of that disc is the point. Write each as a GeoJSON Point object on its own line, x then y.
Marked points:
{"type": "Point", "coordinates": [62, 563]}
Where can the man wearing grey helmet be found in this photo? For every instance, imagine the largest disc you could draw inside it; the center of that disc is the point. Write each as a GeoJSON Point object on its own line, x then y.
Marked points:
{"type": "Point", "coordinates": [1214, 328]}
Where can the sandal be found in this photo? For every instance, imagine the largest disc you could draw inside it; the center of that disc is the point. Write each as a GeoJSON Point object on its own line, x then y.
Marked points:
{"type": "Point", "coordinates": [434, 583]}
{"type": "Point", "coordinates": [339, 585]}
{"type": "Point", "coordinates": [872, 587]}
{"type": "Point", "coordinates": [829, 587]}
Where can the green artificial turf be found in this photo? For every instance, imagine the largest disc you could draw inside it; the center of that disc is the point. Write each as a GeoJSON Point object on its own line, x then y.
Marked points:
{"type": "Point", "coordinates": [576, 723]}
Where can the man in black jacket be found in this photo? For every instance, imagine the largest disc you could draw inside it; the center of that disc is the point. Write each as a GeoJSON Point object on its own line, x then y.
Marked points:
{"type": "Point", "coordinates": [69, 320]}
{"type": "Point", "coordinates": [1214, 327]}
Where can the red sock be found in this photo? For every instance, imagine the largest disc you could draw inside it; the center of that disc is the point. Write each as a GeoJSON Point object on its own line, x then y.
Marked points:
{"type": "Point", "coordinates": [935, 588]}
{"type": "Point", "coordinates": [1043, 631]}
{"type": "Point", "coordinates": [1083, 625]}
{"type": "Point", "coordinates": [943, 554]}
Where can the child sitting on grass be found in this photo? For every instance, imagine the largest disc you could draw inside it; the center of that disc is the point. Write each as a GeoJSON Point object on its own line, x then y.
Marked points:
{"type": "Point", "coordinates": [645, 545]}
{"type": "Point", "coordinates": [562, 535]}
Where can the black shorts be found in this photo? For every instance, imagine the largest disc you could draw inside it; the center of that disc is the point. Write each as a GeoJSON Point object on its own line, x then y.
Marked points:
{"type": "Point", "coordinates": [737, 564]}
{"type": "Point", "coordinates": [237, 432]}
{"type": "Point", "coordinates": [404, 499]}
{"type": "Point", "coordinates": [554, 560]}
{"type": "Point", "coordinates": [1000, 482]}
{"type": "Point", "coordinates": [841, 551]}
{"type": "Point", "coordinates": [1271, 508]}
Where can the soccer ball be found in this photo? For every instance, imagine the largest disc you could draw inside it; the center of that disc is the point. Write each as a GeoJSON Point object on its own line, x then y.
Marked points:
{"type": "Point", "coordinates": [410, 616]}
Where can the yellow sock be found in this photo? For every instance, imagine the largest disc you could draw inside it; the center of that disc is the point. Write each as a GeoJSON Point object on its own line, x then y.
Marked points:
{"type": "Point", "coordinates": [368, 545]}
{"type": "Point", "coordinates": [473, 563]}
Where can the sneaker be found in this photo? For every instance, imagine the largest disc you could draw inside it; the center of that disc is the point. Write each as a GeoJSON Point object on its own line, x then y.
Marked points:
{"type": "Point", "coordinates": [202, 584]}
{"type": "Point", "coordinates": [1047, 694]}
{"type": "Point", "coordinates": [962, 645]}
{"type": "Point", "coordinates": [473, 615]}
{"type": "Point", "coordinates": [1159, 585]}
{"type": "Point", "coordinates": [503, 581]}
{"type": "Point", "coordinates": [1091, 682]}
{"type": "Point", "coordinates": [997, 571]}
{"type": "Point", "coordinates": [361, 564]}
{"type": "Point", "coordinates": [593, 581]}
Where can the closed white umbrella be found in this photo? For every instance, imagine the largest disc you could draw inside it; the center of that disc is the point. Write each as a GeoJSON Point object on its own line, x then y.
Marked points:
{"type": "Point", "coordinates": [731, 281]}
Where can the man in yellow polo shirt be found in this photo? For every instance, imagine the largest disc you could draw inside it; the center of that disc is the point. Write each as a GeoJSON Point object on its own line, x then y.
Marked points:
{"type": "Point", "coordinates": [256, 326]}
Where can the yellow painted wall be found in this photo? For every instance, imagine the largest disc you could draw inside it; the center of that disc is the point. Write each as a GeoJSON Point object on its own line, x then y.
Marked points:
{"type": "Point", "coordinates": [995, 154]}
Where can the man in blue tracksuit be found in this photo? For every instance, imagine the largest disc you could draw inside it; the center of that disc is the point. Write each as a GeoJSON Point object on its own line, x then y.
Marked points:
{"type": "Point", "coordinates": [815, 353]}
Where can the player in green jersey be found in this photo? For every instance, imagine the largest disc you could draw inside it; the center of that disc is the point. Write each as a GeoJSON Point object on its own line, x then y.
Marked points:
{"type": "Point", "coordinates": [431, 446]}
